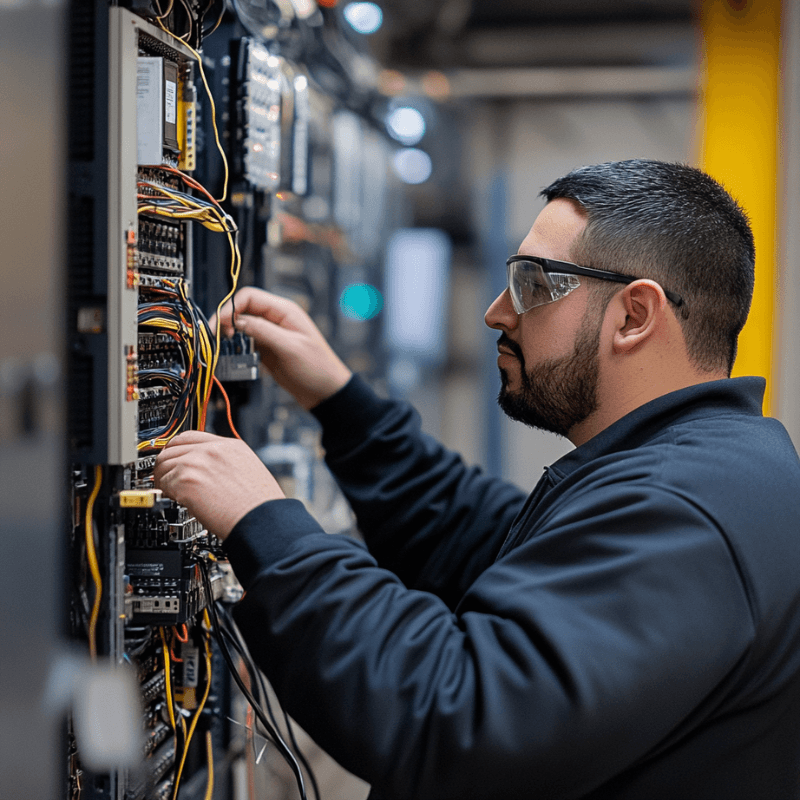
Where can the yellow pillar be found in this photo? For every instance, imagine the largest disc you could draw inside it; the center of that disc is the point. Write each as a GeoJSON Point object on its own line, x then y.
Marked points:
{"type": "Point", "coordinates": [739, 115]}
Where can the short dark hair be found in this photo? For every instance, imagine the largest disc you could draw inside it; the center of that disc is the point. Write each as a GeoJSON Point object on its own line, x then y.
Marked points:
{"type": "Point", "coordinates": [675, 225]}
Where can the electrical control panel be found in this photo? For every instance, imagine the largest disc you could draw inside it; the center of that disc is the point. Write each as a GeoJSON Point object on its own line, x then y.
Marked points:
{"type": "Point", "coordinates": [197, 164]}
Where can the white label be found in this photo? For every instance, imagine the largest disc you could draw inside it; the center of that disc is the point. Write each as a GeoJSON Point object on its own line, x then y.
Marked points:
{"type": "Point", "coordinates": [191, 661]}
{"type": "Point", "coordinates": [171, 109]}
{"type": "Point", "coordinates": [149, 110]}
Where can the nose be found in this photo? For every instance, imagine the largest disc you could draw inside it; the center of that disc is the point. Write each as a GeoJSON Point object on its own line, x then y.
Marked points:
{"type": "Point", "coordinates": [501, 314]}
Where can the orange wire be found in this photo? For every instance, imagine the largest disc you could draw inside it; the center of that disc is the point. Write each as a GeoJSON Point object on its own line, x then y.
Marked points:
{"type": "Point", "coordinates": [185, 637]}
{"type": "Point", "coordinates": [192, 182]}
{"type": "Point", "coordinates": [227, 407]}
{"type": "Point", "coordinates": [172, 652]}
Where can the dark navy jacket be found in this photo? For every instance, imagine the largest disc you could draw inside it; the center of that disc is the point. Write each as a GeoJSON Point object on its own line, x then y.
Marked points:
{"type": "Point", "coordinates": [631, 630]}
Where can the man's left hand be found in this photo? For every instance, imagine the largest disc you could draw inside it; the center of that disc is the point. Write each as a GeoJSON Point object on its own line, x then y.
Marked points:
{"type": "Point", "coordinates": [218, 479]}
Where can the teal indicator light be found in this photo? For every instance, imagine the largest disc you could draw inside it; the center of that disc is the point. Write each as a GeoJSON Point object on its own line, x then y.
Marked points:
{"type": "Point", "coordinates": [361, 301]}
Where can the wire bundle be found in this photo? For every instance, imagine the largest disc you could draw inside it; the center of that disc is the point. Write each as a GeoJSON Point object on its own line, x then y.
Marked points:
{"type": "Point", "coordinates": [169, 311]}
{"type": "Point", "coordinates": [174, 313]}
{"type": "Point", "coordinates": [190, 13]}
{"type": "Point", "coordinates": [177, 722]}
{"type": "Point", "coordinates": [155, 198]}
{"type": "Point", "coordinates": [226, 634]}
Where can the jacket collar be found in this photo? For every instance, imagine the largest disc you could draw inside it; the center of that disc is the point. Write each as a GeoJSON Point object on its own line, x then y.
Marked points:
{"type": "Point", "coordinates": [704, 400]}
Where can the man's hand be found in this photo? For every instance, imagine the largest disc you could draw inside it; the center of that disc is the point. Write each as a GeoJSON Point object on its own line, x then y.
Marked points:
{"type": "Point", "coordinates": [218, 479]}
{"type": "Point", "coordinates": [291, 346]}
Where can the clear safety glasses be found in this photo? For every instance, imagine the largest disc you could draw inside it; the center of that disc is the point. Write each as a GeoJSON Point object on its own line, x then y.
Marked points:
{"type": "Point", "coordinates": [534, 281]}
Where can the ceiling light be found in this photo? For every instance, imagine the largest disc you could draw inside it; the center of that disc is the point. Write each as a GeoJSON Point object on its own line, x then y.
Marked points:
{"type": "Point", "coordinates": [406, 125]}
{"type": "Point", "coordinates": [363, 17]}
{"type": "Point", "coordinates": [412, 165]}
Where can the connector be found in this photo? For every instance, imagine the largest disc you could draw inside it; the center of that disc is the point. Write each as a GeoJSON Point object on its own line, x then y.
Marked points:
{"type": "Point", "coordinates": [238, 360]}
{"type": "Point", "coordinates": [139, 498]}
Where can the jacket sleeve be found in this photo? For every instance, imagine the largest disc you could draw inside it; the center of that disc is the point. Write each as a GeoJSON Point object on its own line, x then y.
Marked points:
{"type": "Point", "coordinates": [605, 637]}
{"type": "Point", "coordinates": [424, 514]}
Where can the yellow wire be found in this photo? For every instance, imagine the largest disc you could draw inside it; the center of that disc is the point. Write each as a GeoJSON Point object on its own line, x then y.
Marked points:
{"type": "Point", "coordinates": [210, 100]}
{"type": "Point", "coordinates": [200, 216]}
{"type": "Point", "coordinates": [94, 568]}
{"type": "Point", "coordinates": [210, 759]}
{"type": "Point", "coordinates": [168, 681]}
{"type": "Point", "coordinates": [236, 265]}
{"type": "Point", "coordinates": [195, 719]}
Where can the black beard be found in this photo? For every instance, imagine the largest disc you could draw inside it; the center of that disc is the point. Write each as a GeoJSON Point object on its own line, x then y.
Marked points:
{"type": "Point", "coordinates": [559, 393]}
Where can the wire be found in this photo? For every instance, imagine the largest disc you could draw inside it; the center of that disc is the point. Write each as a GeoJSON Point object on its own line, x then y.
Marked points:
{"type": "Point", "coordinates": [172, 652]}
{"type": "Point", "coordinates": [236, 266]}
{"type": "Point", "coordinates": [170, 313]}
{"type": "Point", "coordinates": [281, 745]}
{"type": "Point", "coordinates": [219, 18]}
{"type": "Point", "coordinates": [91, 557]}
{"type": "Point", "coordinates": [176, 314]}
{"type": "Point", "coordinates": [168, 682]}
{"type": "Point", "coordinates": [189, 18]}
{"type": "Point", "coordinates": [197, 713]}
{"type": "Point", "coordinates": [227, 406]}
{"type": "Point", "coordinates": [210, 759]}
{"type": "Point", "coordinates": [235, 638]}
{"type": "Point", "coordinates": [166, 13]}
{"type": "Point", "coordinates": [211, 103]}
{"type": "Point", "coordinates": [231, 633]}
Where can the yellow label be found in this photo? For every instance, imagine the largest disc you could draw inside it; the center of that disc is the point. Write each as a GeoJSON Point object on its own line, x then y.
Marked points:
{"type": "Point", "coordinates": [139, 498]}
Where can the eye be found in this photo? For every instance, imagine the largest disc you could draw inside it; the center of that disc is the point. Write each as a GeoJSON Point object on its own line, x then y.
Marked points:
{"type": "Point", "coordinates": [562, 285]}
{"type": "Point", "coordinates": [535, 291]}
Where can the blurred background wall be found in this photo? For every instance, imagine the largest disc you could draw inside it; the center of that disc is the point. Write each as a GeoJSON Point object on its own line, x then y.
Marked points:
{"type": "Point", "coordinates": [527, 91]}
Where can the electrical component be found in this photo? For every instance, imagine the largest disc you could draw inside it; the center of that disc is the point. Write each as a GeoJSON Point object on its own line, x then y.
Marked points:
{"type": "Point", "coordinates": [161, 245]}
{"type": "Point", "coordinates": [258, 104]}
{"type": "Point", "coordinates": [133, 498]}
{"type": "Point", "coordinates": [171, 105]}
{"type": "Point", "coordinates": [150, 109]}
{"type": "Point", "coordinates": [300, 140]}
{"type": "Point", "coordinates": [166, 587]}
{"type": "Point", "coordinates": [187, 127]}
{"type": "Point", "coordinates": [156, 108]}
{"type": "Point", "coordinates": [237, 360]}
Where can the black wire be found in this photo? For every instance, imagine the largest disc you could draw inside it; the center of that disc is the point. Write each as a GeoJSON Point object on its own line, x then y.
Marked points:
{"type": "Point", "coordinates": [241, 648]}
{"type": "Point", "coordinates": [255, 674]}
{"type": "Point", "coordinates": [283, 748]}
{"type": "Point", "coordinates": [300, 754]}
{"type": "Point", "coordinates": [219, 18]}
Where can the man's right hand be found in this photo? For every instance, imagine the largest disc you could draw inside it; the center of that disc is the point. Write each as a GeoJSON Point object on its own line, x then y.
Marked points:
{"type": "Point", "coordinates": [291, 346]}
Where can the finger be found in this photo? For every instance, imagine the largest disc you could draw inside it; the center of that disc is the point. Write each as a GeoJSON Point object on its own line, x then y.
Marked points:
{"type": "Point", "coordinates": [280, 310]}
{"type": "Point", "coordinates": [163, 476]}
{"type": "Point", "coordinates": [267, 334]}
{"type": "Point", "coordinates": [192, 437]}
{"type": "Point", "coordinates": [243, 300]}
{"type": "Point", "coordinates": [182, 444]}
{"type": "Point", "coordinates": [240, 299]}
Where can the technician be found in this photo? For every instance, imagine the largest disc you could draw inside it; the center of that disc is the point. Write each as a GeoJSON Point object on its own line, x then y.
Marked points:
{"type": "Point", "coordinates": [631, 629]}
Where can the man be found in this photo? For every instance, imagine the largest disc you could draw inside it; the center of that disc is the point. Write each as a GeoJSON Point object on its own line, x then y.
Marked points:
{"type": "Point", "coordinates": [632, 628]}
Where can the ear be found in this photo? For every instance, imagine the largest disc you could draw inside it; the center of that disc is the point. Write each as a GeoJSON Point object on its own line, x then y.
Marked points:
{"type": "Point", "coordinates": [644, 303]}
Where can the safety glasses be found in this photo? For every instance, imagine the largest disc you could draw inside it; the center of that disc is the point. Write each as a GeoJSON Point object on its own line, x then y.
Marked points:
{"type": "Point", "coordinates": [534, 281]}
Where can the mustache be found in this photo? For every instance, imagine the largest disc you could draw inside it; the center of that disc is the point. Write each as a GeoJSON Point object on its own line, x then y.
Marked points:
{"type": "Point", "coordinates": [512, 346]}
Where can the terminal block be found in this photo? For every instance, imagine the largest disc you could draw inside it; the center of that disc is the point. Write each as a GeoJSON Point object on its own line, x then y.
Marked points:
{"type": "Point", "coordinates": [238, 360]}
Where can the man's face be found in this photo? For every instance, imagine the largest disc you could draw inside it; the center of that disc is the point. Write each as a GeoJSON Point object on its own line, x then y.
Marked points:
{"type": "Point", "coordinates": [549, 362]}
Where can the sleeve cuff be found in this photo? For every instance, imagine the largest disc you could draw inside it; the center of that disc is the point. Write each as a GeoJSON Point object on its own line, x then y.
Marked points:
{"type": "Point", "coordinates": [347, 416]}
{"type": "Point", "coordinates": [265, 534]}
